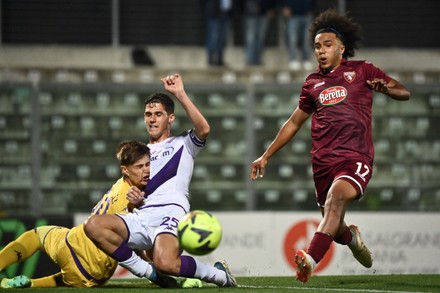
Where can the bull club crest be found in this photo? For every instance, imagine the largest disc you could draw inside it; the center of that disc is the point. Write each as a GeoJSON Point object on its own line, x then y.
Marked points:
{"type": "Point", "coordinates": [349, 76]}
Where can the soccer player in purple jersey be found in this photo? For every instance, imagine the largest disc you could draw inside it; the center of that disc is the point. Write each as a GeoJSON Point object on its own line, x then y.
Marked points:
{"type": "Point", "coordinates": [338, 96]}
{"type": "Point", "coordinates": [152, 226]}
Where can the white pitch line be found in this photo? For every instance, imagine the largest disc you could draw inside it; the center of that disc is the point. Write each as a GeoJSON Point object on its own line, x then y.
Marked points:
{"type": "Point", "coordinates": [328, 289]}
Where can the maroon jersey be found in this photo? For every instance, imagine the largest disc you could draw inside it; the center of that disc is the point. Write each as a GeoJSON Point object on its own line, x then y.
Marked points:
{"type": "Point", "coordinates": [341, 102]}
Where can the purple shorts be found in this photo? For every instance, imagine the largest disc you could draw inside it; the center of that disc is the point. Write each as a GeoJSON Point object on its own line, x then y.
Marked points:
{"type": "Point", "coordinates": [357, 172]}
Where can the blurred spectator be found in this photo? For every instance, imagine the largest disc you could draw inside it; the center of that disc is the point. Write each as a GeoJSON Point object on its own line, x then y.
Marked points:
{"type": "Point", "coordinates": [298, 15]}
{"type": "Point", "coordinates": [257, 15]}
{"type": "Point", "coordinates": [217, 13]}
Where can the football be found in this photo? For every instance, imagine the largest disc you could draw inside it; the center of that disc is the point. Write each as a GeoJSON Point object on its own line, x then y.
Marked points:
{"type": "Point", "coordinates": [199, 232]}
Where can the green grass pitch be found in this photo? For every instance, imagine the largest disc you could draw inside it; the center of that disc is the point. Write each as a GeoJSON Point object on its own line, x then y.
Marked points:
{"type": "Point", "coordinates": [328, 284]}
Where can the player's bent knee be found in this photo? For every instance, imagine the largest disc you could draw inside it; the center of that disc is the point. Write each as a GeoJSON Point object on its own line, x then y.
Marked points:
{"type": "Point", "coordinates": [91, 227]}
{"type": "Point", "coordinates": [167, 267]}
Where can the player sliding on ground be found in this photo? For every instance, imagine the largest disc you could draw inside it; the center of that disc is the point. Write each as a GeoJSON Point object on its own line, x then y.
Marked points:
{"type": "Point", "coordinates": [82, 264]}
{"type": "Point", "coordinates": [339, 97]}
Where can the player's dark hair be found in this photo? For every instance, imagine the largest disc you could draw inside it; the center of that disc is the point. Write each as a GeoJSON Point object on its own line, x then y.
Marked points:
{"type": "Point", "coordinates": [343, 26]}
{"type": "Point", "coordinates": [130, 151]}
{"type": "Point", "coordinates": [163, 99]}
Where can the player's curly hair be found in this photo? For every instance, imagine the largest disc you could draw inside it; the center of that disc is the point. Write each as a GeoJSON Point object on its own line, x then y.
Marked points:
{"type": "Point", "coordinates": [130, 151]}
{"type": "Point", "coordinates": [163, 99]}
{"type": "Point", "coordinates": [343, 26]}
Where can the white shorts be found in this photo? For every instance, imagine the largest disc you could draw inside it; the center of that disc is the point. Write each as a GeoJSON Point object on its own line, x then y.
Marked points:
{"type": "Point", "coordinates": [144, 225]}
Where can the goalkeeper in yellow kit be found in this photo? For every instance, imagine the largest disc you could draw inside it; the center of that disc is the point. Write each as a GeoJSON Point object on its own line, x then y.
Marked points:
{"type": "Point", "coordinates": [82, 264]}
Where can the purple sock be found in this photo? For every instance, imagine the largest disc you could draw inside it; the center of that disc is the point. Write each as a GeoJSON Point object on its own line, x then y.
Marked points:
{"type": "Point", "coordinates": [122, 253]}
{"type": "Point", "coordinates": [187, 266]}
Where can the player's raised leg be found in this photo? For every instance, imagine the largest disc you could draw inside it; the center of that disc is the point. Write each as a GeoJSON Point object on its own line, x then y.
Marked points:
{"type": "Point", "coordinates": [359, 249]}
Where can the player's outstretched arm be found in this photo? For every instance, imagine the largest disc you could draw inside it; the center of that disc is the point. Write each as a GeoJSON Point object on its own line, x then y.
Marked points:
{"type": "Point", "coordinates": [393, 89]}
{"type": "Point", "coordinates": [174, 85]}
{"type": "Point", "coordinates": [285, 134]}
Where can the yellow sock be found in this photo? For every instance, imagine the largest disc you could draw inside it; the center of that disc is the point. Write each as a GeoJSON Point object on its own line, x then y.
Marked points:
{"type": "Point", "coordinates": [49, 281]}
{"type": "Point", "coordinates": [20, 249]}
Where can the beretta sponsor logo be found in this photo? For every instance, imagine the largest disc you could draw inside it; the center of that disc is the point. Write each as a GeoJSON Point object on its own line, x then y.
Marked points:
{"type": "Point", "coordinates": [332, 95]}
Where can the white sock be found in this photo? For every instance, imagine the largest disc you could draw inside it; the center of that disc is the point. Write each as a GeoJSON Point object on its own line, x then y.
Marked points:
{"type": "Point", "coordinates": [210, 274]}
{"type": "Point", "coordinates": [137, 266]}
{"type": "Point", "coordinates": [353, 240]}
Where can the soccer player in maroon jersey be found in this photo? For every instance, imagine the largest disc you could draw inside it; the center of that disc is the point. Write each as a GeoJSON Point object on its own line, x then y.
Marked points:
{"type": "Point", "coordinates": [338, 97]}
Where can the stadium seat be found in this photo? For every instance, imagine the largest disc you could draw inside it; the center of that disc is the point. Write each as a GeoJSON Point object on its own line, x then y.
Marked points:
{"type": "Point", "coordinates": [50, 174]}
{"type": "Point", "coordinates": [387, 195]}
{"type": "Point", "coordinates": [24, 171]}
{"type": "Point", "coordinates": [26, 121]}
{"type": "Point", "coordinates": [87, 124]}
{"type": "Point", "coordinates": [112, 171]}
{"type": "Point", "coordinates": [234, 148]}
{"type": "Point", "coordinates": [422, 126]}
{"type": "Point", "coordinates": [229, 123]}
{"type": "Point", "coordinates": [229, 77]}
{"type": "Point", "coordinates": [74, 99]}
{"type": "Point", "coordinates": [115, 123]}
{"type": "Point", "coordinates": [45, 99]}
{"type": "Point", "coordinates": [228, 171]}
{"type": "Point", "coordinates": [383, 149]}
{"type": "Point", "coordinates": [216, 100]}
{"type": "Point", "coordinates": [146, 76]}
{"type": "Point", "coordinates": [118, 76]}
{"type": "Point", "coordinates": [62, 75]}
{"type": "Point", "coordinates": [419, 77]}
{"type": "Point", "coordinates": [413, 195]}
{"type": "Point", "coordinates": [34, 75]}
{"type": "Point", "coordinates": [102, 100]}
{"type": "Point", "coordinates": [90, 76]}
{"type": "Point", "coordinates": [434, 102]}
{"type": "Point", "coordinates": [271, 195]}
{"type": "Point", "coordinates": [258, 123]}
{"type": "Point", "coordinates": [83, 171]}
{"type": "Point", "coordinates": [395, 127]}
{"type": "Point", "coordinates": [283, 77]}
{"type": "Point", "coordinates": [11, 147]}
{"type": "Point", "coordinates": [412, 148]}
{"type": "Point", "coordinates": [99, 146]}
{"type": "Point", "coordinates": [214, 146]}
{"type": "Point", "coordinates": [214, 196]}
{"type": "Point", "coordinates": [95, 196]}
{"type": "Point", "coordinates": [131, 100]}
{"type": "Point", "coordinates": [240, 196]}
{"type": "Point", "coordinates": [300, 195]}
{"type": "Point", "coordinates": [241, 99]}
{"type": "Point", "coordinates": [200, 171]}
{"type": "Point", "coordinates": [256, 77]}
{"type": "Point", "coordinates": [70, 146]}
{"type": "Point", "coordinates": [299, 147]}
{"type": "Point", "coordinates": [271, 100]}
{"type": "Point", "coordinates": [2, 122]}
{"type": "Point", "coordinates": [400, 174]}
{"type": "Point", "coordinates": [57, 122]}
{"type": "Point", "coordinates": [285, 171]}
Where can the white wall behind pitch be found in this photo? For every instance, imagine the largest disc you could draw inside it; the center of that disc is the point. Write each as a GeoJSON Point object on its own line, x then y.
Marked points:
{"type": "Point", "coordinates": [264, 243]}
